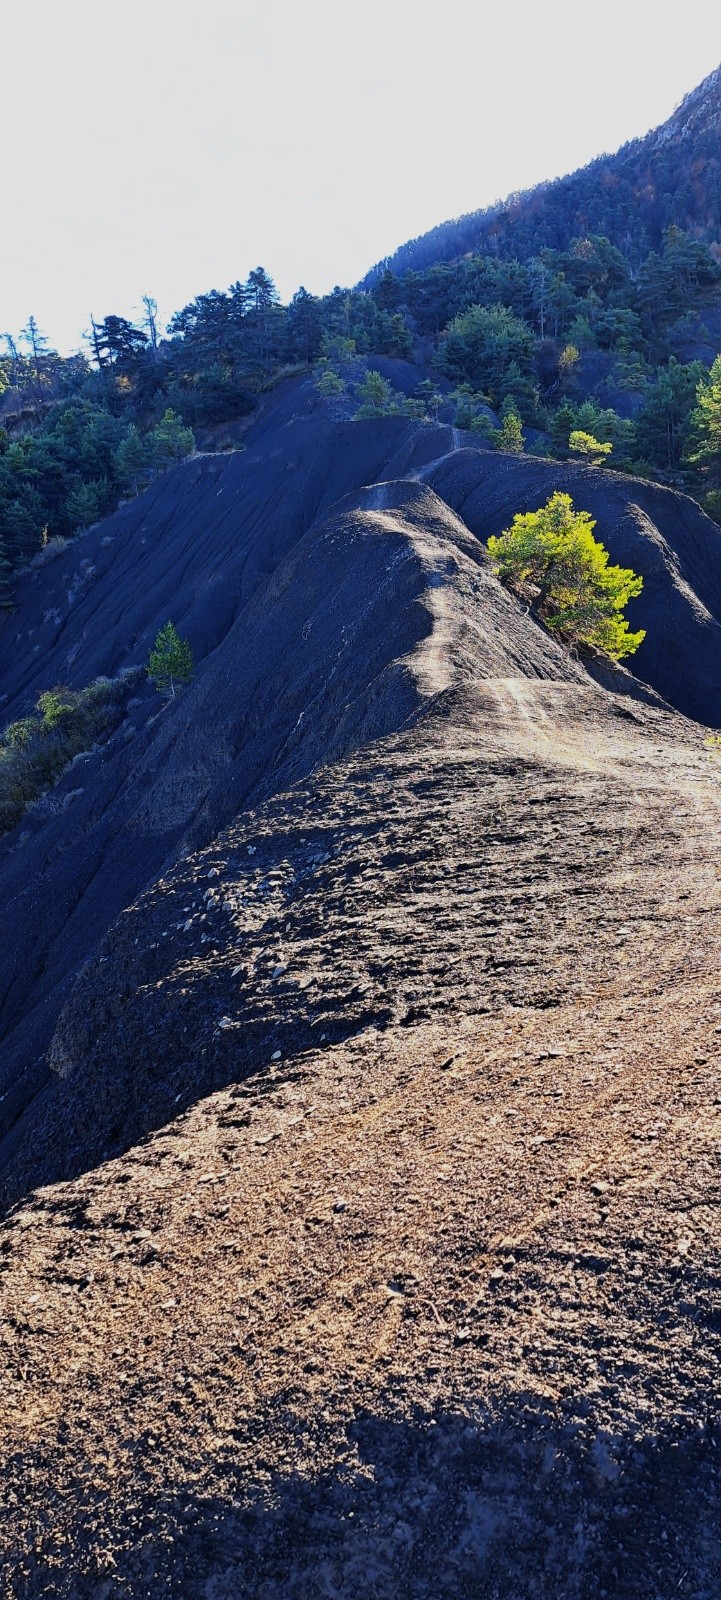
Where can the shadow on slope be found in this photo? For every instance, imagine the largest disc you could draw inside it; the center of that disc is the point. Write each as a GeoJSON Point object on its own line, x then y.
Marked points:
{"type": "Point", "coordinates": [521, 1500]}
{"type": "Point", "coordinates": [312, 667]}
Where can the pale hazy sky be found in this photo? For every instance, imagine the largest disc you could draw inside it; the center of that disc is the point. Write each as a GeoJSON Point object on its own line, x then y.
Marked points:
{"type": "Point", "coordinates": [168, 148]}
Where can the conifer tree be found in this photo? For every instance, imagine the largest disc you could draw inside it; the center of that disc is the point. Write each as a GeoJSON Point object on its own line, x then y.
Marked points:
{"type": "Point", "coordinates": [170, 441]}
{"type": "Point", "coordinates": [509, 436]}
{"type": "Point", "coordinates": [705, 452]}
{"type": "Point", "coordinates": [591, 450]}
{"type": "Point", "coordinates": [551, 557]}
{"type": "Point", "coordinates": [170, 661]}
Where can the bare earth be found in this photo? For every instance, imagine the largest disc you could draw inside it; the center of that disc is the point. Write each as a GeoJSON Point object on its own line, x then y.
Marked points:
{"type": "Point", "coordinates": [423, 1299]}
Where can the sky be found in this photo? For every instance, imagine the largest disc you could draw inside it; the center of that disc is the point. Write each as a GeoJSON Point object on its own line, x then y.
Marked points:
{"type": "Point", "coordinates": [166, 149]}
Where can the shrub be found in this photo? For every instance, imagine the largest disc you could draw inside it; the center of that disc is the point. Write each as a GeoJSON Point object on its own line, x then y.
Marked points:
{"type": "Point", "coordinates": [35, 750]}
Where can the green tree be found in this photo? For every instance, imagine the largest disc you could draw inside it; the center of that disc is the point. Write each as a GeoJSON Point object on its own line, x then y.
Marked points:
{"type": "Point", "coordinates": [86, 503]}
{"type": "Point", "coordinates": [551, 557]}
{"type": "Point", "coordinates": [705, 451]}
{"type": "Point", "coordinates": [131, 458]}
{"type": "Point", "coordinates": [170, 661]}
{"type": "Point", "coordinates": [482, 343]}
{"type": "Point", "coordinates": [330, 384]}
{"type": "Point", "coordinates": [377, 398]}
{"type": "Point", "coordinates": [591, 450]}
{"type": "Point", "coordinates": [305, 327]}
{"type": "Point", "coordinates": [561, 427]}
{"type": "Point", "coordinates": [170, 441]}
{"type": "Point", "coordinates": [509, 436]}
{"type": "Point", "coordinates": [427, 393]}
{"type": "Point", "coordinates": [662, 424]}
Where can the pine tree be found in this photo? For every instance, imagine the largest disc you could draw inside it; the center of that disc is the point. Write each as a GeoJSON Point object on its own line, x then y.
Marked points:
{"type": "Point", "coordinates": [377, 397]}
{"type": "Point", "coordinates": [509, 437]}
{"type": "Point", "coordinates": [170, 661]}
{"type": "Point", "coordinates": [705, 450]}
{"type": "Point", "coordinates": [131, 458]}
{"type": "Point", "coordinates": [552, 558]}
{"type": "Point", "coordinates": [591, 450]}
{"type": "Point", "coordinates": [170, 441]}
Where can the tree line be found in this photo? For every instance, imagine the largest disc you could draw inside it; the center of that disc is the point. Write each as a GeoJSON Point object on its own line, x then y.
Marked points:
{"type": "Point", "coordinates": [573, 351]}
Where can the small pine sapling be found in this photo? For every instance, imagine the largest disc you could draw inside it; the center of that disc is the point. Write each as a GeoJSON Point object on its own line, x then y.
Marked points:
{"type": "Point", "coordinates": [170, 662]}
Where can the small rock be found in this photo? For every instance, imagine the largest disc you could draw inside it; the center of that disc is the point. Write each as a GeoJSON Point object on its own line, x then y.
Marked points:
{"type": "Point", "coordinates": [497, 1275]}
{"type": "Point", "coordinates": [600, 1187]}
{"type": "Point", "coordinates": [235, 972]}
{"type": "Point", "coordinates": [214, 873]}
{"type": "Point", "coordinates": [340, 1205]}
{"type": "Point", "coordinates": [276, 1056]}
{"type": "Point", "coordinates": [278, 972]}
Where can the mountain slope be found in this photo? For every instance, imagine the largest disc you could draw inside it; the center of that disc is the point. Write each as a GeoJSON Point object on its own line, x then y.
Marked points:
{"type": "Point", "coordinates": [361, 1141]}
{"type": "Point", "coordinates": [419, 1298]}
{"type": "Point", "coordinates": [239, 552]}
{"type": "Point", "coordinates": [672, 176]}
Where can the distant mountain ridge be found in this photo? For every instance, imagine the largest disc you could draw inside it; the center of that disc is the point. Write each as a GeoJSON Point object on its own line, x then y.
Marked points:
{"type": "Point", "coordinates": [670, 177]}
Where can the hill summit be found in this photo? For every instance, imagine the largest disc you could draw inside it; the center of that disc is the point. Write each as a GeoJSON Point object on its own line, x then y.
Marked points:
{"type": "Point", "coordinates": [671, 177]}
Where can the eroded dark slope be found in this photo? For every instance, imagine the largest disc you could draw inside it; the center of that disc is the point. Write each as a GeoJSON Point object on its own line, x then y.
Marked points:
{"type": "Point", "coordinates": [295, 622]}
{"type": "Point", "coordinates": [420, 1300]}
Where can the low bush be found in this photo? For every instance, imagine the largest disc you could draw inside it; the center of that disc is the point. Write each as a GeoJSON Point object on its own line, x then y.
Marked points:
{"type": "Point", "coordinates": [35, 750]}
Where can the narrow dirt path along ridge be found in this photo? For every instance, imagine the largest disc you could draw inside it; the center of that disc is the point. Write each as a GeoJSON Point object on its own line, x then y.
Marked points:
{"type": "Point", "coordinates": [363, 1232]}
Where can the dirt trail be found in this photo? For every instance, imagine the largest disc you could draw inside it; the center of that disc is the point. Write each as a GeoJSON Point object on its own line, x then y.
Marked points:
{"type": "Point", "coordinates": [431, 1308]}
{"type": "Point", "coordinates": [389, 1269]}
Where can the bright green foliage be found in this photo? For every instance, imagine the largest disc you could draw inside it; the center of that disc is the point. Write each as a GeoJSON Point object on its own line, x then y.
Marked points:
{"type": "Point", "coordinates": [56, 706]}
{"type": "Point", "coordinates": [705, 452]}
{"type": "Point", "coordinates": [552, 558]}
{"type": "Point", "coordinates": [330, 384]}
{"type": "Point", "coordinates": [589, 449]}
{"type": "Point", "coordinates": [377, 398]}
{"type": "Point", "coordinates": [509, 436]}
{"type": "Point", "coordinates": [170, 442]}
{"type": "Point", "coordinates": [568, 361]}
{"type": "Point", "coordinates": [170, 661]}
{"type": "Point", "coordinates": [602, 425]}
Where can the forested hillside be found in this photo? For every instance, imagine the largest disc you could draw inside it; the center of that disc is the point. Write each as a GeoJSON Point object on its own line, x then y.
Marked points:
{"type": "Point", "coordinates": [582, 320]}
{"type": "Point", "coordinates": [670, 178]}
